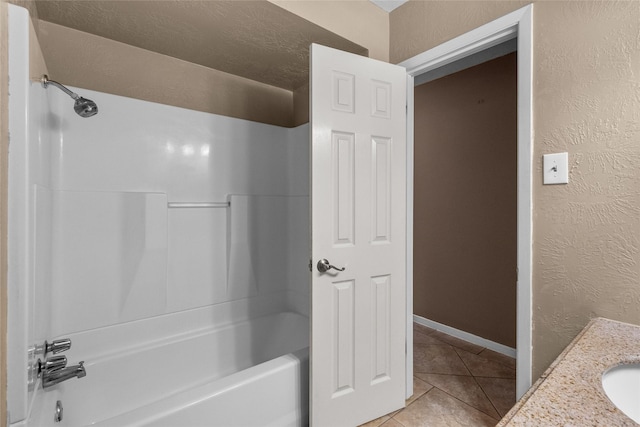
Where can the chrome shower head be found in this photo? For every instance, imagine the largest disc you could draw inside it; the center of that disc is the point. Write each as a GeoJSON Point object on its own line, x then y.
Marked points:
{"type": "Point", "coordinates": [83, 107]}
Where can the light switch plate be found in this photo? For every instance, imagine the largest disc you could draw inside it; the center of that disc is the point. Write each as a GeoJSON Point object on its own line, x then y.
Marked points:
{"type": "Point", "coordinates": [555, 168]}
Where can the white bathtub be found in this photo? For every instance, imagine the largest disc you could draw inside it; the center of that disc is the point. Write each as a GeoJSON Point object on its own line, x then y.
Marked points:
{"type": "Point", "coordinates": [250, 373]}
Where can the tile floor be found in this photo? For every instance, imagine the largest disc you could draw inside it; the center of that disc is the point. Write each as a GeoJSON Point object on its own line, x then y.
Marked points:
{"type": "Point", "coordinates": [455, 383]}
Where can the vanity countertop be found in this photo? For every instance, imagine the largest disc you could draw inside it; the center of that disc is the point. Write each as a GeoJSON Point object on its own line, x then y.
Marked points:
{"type": "Point", "coordinates": [570, 391]}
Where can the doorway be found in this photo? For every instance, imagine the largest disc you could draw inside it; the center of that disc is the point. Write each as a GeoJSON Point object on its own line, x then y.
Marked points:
{"type": "Point", "coordinates": [515, 25]}
{"type": "Point", "coordinates": [465, 202]}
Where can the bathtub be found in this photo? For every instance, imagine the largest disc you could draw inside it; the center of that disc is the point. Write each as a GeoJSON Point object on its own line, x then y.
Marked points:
{"type": "Point", "coordinates": [249, 373]}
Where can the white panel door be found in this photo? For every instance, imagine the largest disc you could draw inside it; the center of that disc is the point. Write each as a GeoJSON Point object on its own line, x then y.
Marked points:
{"type": "Point", "coordinates": [358, 192]}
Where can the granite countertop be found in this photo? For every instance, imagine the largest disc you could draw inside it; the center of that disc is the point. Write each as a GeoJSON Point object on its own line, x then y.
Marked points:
{"type": "Point", "coordinates": [570, 391]}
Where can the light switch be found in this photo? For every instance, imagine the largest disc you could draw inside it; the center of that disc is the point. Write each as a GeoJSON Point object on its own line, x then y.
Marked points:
{"type": "Point", "coordinates": [555, 168]}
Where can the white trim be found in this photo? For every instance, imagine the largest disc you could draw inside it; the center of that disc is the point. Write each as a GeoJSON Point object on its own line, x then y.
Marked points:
{"type": "Point", "coordinates": [524, 324]}
{"type": "Point", "coordinates": [477, 58]}
{"type": "Point", "coordinates": [481, 38]}
{"type": "Point", "coordinates": [18, 238]}
{"type": "Point", "coordinates": [466, 336]}
{"type": "Point", "coordinates": [409, 240]}
{"type": "Point", "coordinates": [516, 24]}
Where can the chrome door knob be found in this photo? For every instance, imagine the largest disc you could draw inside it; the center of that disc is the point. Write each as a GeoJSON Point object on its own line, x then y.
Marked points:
{"type": "Point", "coordinates": [324, 265]}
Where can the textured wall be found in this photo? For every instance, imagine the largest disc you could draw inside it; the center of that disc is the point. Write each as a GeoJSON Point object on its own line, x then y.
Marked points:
{"type": "Point", "coordinates": [586, 244]}
{"type": "Point", "coordinates": [37, 64]}
{"type": "Point", "coordinates": [88, 61]}
{"type": "Point", "coordinates": [301, 105]}
{"type": "Point", "coordinates": [465, 201]}
{"type": "Point", "coordinates": [257, 40]}
{"type": "Point", "coordinates": [254, 39]}
{"type": "Point", "coordinates": [420, 25]}
{"type": "Point", "coordinates": [587, 233]}
{"type": "Point", "coordinates": [131, 68]}
{"type": "Point", "coordinates": [360, 21]}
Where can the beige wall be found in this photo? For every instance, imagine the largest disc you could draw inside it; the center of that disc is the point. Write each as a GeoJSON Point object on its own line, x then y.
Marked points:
{"type": "Point", "coordinates": [360, 21]}
{"type": "Point", "coordinates": [586, 237]}
{"type": "Point", "coordinates": [37, 64]}
{"type": "Point", "coordinates": [4, 144]}
{"type": "Point", "coordinates": [420, 25]}
{"type": "Point", "coordinates": [301, 105]}
{"type": "Point", "coordinates": [80, 59]}
{"type": "Point", "coordinates": [84, 60]}
{"type": "Point", "coordinates": [465, 202]}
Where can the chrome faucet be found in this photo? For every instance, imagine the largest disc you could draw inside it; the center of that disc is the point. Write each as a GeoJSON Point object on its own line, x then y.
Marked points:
{"type": "Point", "coordinates": [54, 370]}
{"type": "Point", "coordinates": [51, 377]}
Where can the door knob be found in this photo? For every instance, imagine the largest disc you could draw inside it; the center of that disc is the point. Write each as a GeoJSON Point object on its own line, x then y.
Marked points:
{"type": "Point", "coordinates": [324, 266]}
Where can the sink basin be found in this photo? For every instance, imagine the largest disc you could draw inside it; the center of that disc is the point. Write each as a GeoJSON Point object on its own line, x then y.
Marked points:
{"type": "Point", "coordinates": [622, 386]}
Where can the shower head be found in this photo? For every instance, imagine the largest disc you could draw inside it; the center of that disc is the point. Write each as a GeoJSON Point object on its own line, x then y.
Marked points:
{"type": "Point", "coordinates": [83, 107]}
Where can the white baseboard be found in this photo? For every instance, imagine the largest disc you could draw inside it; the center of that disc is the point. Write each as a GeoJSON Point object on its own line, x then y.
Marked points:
{"type": "Point", "coordinates": [466, 336]}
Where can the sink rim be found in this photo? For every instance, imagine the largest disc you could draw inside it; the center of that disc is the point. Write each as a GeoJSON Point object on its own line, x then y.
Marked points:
{"type": "Point", "coordinates": [611, 385]}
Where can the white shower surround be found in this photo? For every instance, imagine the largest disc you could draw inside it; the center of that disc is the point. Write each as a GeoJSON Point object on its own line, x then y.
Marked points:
{"type": "Point", "coordinates": [119, 249]}
{"type": "Point", "coordinates": [101, 249]}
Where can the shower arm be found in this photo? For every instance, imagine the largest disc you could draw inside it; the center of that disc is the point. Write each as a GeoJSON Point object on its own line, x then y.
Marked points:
{"type": "Point", "coordinates": [46, 82]}
{"type": "Point", "coordinates": [82, 106]}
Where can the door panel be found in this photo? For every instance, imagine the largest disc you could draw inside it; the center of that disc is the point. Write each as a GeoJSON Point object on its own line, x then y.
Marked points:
{"type": "Point", "coordinates": [358, 209]}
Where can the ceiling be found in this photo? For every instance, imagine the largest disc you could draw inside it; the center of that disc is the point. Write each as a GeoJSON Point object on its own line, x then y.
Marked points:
{"type": "Point", "coordinates": [253, 39]}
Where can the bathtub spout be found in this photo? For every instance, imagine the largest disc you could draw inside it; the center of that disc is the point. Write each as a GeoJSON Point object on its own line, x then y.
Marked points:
{"type": "Point", "coordinates": [51, 378]}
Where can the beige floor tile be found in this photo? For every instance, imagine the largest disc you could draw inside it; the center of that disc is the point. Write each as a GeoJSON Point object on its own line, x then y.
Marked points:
{"type": "Point", "coordinates": [420, 338]}
{"type": "Point", "coordinates": [498, 357]}
{"type": "Point", "coordinates": [420, 387]}
{"type": "Point", "coordinates": [377, 422]}
{"type": "Point", "coordinates": [501, 392]}
{"type": "Point", "coordinates": [456, 342]}
{"type": "Point", "coordinates": [393, 414]}
{"type": "Point", "coordinates": [445, 392]}
{"type": "Point", "coordinates": [392, 423]}
{"type": "Point", "coordinates": [437, 359]}
{"type": "Point", "coordinates": [437, 409]}
{"type": "Point", "coordinates": [481, 366]}
{"type": "Point", "coordinates": [422, 329]}
{"type": "Point", "coordinates": [463, 388]}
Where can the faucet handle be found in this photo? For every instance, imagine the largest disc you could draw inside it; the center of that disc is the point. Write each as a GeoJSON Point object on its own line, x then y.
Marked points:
{"type": "Point", "coordinates": [57, 346]}
{"type": "Point", "coordinates": [54, 363]}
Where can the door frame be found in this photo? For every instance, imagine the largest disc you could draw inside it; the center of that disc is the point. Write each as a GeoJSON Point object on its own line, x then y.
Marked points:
{"type": "Point", "coordinates": [517, 24]}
